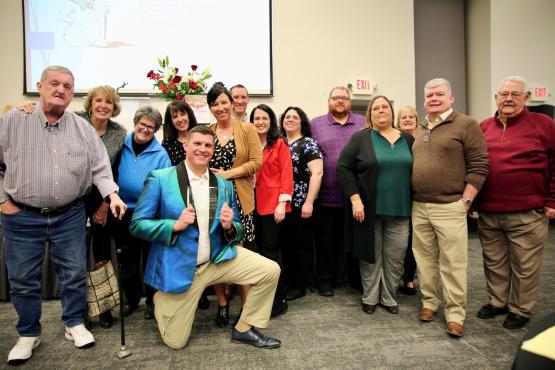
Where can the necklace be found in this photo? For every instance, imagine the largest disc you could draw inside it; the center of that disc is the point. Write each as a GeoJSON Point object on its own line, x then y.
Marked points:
{"type": "Point", "coordinates": [225, 135]}
{"type": "Point", "coordinates": [293, 139]}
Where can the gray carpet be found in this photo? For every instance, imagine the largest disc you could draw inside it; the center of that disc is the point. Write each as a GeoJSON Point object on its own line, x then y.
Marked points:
{"type": "Point", "coordinates": [317, 333]}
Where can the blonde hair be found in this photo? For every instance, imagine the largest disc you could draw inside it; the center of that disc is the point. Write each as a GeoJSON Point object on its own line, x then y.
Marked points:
{"type": "Point", "coordinates": [412, 110]}
{"type": "Point", "coordinates": [110, 93]}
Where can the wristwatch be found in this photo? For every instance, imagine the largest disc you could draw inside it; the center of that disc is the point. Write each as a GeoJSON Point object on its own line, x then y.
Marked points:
{"type": "Point", "coordinates": [467, 202]}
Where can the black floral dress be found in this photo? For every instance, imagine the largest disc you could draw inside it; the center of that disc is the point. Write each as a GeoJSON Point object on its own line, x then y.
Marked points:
{"type": "Point", "coordinates": [223, 158]}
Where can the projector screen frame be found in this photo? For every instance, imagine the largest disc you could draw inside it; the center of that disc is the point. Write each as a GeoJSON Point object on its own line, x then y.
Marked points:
{"type": "Point", "coordinates": [144, 94]}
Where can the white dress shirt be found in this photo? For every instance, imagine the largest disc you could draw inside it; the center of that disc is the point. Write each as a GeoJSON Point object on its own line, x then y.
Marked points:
{"type": "Point", "coordinates": [200, 189]}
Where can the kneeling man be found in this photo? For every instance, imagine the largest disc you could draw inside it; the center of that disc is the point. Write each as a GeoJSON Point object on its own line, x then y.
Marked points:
{"type": "Point", "coordinates": [194, 245]}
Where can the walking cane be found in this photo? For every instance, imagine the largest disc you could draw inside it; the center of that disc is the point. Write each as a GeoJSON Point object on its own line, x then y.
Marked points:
{"type": "Point", "coordinates": [123, 352]}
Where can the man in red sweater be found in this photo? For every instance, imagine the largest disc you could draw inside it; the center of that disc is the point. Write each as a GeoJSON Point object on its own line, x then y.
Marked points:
{"type": "Point", "coordinates": [516, 203]}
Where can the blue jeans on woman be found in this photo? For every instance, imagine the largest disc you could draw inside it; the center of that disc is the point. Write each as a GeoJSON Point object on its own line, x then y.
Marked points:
{"type": "Point", "coordinates": [25, 234]}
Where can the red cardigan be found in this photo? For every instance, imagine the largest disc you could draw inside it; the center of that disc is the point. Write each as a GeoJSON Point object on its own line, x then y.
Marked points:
{"type": "Point", "coordinates": [274, 179]}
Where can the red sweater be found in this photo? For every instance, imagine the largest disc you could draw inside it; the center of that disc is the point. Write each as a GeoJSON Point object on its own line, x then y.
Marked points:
{"type": "Point", "coordinates": [521, 163]}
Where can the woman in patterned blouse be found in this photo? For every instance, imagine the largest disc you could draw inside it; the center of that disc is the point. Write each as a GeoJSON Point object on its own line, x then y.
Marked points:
{"type": "Point", "coordinates": [237, 157]}
{"type": "Point", "coordinates": [178, 120]}
{"type": "Point", "coordinates": [307, 176]}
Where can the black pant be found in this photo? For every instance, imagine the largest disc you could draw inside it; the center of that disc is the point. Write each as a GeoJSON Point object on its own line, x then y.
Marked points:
{"type": "Point", "coordinates": [296, 236]}
{"type": "Point", "coordinates": [410, 262]}
{"type": "Point", "coordinates": [334, 265]}
{"type": "Point", "coordinates": [134, 257]}
{"type": "Point", "coordinates": [267, 234]}
{"type": "Point", "coordinates": [101, 235]}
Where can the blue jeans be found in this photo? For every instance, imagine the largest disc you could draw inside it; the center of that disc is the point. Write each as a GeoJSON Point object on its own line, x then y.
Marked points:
{"type": "Point", "coordinates": [25, 234]}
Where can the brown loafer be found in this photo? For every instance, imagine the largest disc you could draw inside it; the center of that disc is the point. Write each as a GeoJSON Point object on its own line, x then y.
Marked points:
{"type": "Point", "coordinates": [454, 329]}
{"type": "Point", "coordinates": [425, 314]}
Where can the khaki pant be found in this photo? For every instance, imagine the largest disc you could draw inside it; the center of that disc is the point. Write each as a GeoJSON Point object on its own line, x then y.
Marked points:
{"type": "Point", "coordinates": [513, 247]}
{"type": "Point", "coordinates": [440, 247]}
{"type": "Point", "coordinates": [175, 312]}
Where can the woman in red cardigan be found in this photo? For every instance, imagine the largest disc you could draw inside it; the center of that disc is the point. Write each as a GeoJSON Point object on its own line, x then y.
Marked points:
{"type": "Point", "coordinates": [273, 189]}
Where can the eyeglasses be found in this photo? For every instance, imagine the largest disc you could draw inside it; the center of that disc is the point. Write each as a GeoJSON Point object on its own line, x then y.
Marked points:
{"type": "Point", "coordinates": [514, 94]}
{"type": "Point", "coordinates": [340, 98]}
{"type": "Point", "coordinates": [148, 128]}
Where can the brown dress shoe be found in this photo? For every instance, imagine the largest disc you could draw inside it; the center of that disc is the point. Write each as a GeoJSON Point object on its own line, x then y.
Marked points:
{"type": "Point", "coordinates": [425, 314]}
{"type": "Point", "coordinates": [454, 329]}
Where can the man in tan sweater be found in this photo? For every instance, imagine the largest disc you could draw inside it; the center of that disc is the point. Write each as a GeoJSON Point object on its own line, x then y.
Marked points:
{"type": "Point", "coordinates": [450, 166]}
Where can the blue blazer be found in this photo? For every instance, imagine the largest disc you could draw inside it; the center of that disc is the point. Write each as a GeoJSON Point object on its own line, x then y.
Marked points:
{"type": "Point", "coordinates": [172, 258]}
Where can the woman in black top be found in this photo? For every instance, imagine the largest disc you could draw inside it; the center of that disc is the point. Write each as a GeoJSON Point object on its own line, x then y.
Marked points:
{"type": "Point", "coordinates": [308, 167]}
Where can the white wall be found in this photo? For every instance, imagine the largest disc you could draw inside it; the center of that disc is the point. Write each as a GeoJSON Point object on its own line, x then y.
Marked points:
{"type": "Point", "coordinates": [317, 44]}
{"type": "Point", "coordinates": [521, 43]}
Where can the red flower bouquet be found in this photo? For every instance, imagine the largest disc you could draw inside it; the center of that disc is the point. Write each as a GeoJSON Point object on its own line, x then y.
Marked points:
{"type": "Point", "coordinates": [172, 86]}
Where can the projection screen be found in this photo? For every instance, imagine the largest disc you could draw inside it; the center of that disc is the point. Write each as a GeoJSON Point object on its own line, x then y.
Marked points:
{"type": "Point", "coordinates": [116, 41]}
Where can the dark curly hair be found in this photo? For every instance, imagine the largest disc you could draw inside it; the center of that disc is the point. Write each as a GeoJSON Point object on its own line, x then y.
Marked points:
{"type": "Point", "coordinates": [305, 122]}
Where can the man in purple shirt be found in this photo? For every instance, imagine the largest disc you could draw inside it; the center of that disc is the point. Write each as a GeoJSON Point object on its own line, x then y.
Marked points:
{"type": "Point", "coordinates": [332, 131]}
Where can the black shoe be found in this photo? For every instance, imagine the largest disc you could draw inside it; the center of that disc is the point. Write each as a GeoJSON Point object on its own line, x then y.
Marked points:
{"type": "Point", "coordinates": [129, 309]}
{"type": "Point", "coordinates": [203, 302]}
{"type": "Point", "coordinates": [279, 307]}
{"type": "Point", "coordinates": [325, 292]}
{"type": "Point", "coordinates": [489, 311]}
{"type": "Point", "coordinates": [392, 309]}
{"type": "Point", "coordinates": [149, 311]}
{"type": "Point", "coordinates": [369, 308]}
{"type": "Point", "coordinates": [105, 320]}
{"type": "Point", "coordinates": [515, 321]}
{"type": "Point", "coordinates": [253, 337]}
{"type": "Point", "coordinates": [325, 289]}
{"type": "Point", "coordinates": [295, 293]}
{"type": "Point", "coordinates": [222, 317]}
{"type": "Point", "coordinates": [408, 290]}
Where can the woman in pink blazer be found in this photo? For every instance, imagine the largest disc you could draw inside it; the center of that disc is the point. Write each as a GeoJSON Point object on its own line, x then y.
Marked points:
{"type": "Point", "coordinates": [273, 189]}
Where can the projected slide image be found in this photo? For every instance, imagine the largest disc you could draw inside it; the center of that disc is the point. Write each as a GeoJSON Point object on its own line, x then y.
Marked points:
{"type": "Point", "coordinates": [87, 24]}
{"type": "Point", "coordinates": [111, 41]}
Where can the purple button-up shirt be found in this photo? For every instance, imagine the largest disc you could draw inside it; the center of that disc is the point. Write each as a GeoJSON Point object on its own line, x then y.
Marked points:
{"type": "Point", "coordinates": [332, 137]}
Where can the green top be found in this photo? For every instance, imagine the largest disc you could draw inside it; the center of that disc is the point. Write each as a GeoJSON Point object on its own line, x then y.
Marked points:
{"type": "Point", "coordinates": [393, 196]}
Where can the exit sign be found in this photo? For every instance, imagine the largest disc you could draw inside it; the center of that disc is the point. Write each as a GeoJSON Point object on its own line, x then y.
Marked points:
{"type": "Point", "coordinates": [539, 93]}
{"type": "Point", "coordinates": [362, 86]}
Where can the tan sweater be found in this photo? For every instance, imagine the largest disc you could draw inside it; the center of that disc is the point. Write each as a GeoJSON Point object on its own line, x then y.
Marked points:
{"type": "Point", "coordinates": [446, 158]}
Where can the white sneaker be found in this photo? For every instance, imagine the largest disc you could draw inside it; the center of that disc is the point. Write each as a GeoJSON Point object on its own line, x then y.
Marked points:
{"type": "Point", "coordinates": [81, 337]}
{"type": "Point", "coordinates": [23, 350]}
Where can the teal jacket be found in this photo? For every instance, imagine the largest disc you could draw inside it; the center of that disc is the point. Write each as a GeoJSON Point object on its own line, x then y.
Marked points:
{"type": "Point", "coordinates": [172, 258]}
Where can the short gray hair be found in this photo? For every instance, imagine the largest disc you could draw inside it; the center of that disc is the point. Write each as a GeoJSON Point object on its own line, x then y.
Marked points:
{"type": "Point", "coordinates": [55, 68]}
{"type": "Point", "coordinates": [150, 113]}
{"type": "Point", "coordinates": [438, 82]}
{"type": "Point", "coordinates": [515, 78]}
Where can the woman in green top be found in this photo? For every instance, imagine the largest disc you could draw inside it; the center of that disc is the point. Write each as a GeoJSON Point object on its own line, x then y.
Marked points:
{"type": "Point", "coordinates": [374, 170]}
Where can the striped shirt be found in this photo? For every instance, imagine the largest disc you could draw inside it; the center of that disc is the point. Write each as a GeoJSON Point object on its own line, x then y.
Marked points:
{"type": "Point", "coordinates": [44, 165]}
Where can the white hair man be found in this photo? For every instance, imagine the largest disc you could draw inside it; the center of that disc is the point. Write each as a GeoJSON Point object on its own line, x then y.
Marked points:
{"type": "Point", "coordinates": [516, 203]}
